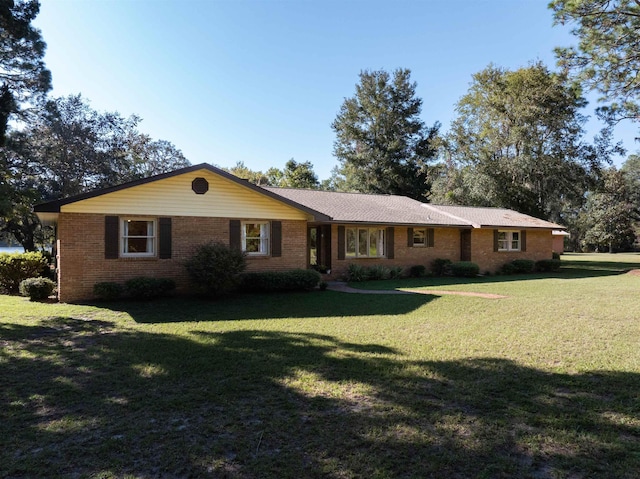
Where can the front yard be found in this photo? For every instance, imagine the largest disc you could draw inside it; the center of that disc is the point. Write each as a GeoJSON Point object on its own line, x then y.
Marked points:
{"type": "Point", "coordinates": [544, 383]}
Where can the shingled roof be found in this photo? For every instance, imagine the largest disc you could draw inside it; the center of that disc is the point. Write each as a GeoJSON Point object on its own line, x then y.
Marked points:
{"type": "Point", "coordinates": [389, 209]}
{"type": "Point", "coordinates": [493, 217]}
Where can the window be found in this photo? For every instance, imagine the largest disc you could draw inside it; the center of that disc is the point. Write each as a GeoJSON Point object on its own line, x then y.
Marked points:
{"type": "Point", "coordinates": [508, 240]}
{"type": "Point", "coordinates": [365, 242]}
{"type": "Point", "coordinates": [255, 238]}
{"type": "Point", "coordinates": [138, 237]}
{"type": "Point", "coordinates": [421, 237]}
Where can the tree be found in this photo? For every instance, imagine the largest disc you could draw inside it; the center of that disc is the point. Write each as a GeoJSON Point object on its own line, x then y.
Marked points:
{"type": "Point", "coordinates": [631, 171]}
{"type": "Point", "coordinates": [299, 175]}
{"type": "Point", "coordinates": [68, 149]}
{"type": "Point", "coordinates": [610, 215]}
{"type": "Point", "coordinates": [242, 171]}
{"type": "Point", "coordinates": [381, 143]}
{"type": "Point", "coordinates": [518, 140]}
{"type": "Point", "coordinates": [607, 57]}
{"type": "Point", "coordinates": [23, 77]}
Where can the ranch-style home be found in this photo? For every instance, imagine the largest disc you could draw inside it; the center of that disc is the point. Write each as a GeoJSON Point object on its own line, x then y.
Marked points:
{"type": "Point", "coordinates": [151, 226]}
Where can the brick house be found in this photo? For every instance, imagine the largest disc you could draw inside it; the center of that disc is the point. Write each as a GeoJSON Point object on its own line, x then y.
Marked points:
{"type": "Point", "coordinates": [151, 226]}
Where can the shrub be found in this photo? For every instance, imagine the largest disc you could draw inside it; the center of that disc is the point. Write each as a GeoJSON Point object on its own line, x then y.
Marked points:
{"type": "Point", "coordinates": [356, 273]}
{"type": "Point", "coordinates": [396, 272]}
{"type": "Point", "coordinates": [269, 281]}
{"type": "Point", "coordinates": [441, 266]}
{"type": "Point", "coordinates": [508, 268]}
{"type": "Point", "coordinates": [107, 290]}
{"type": "Point", "coordinates": [215, 268]}
{"type": "Point", "coordinates": [16, 267]}
{"type": "Point", "coordinates": [143, 287]}
{"type": "Point", "coordinates": [523, 265]}
{"type": "Point", "coordinates": [323, 285]}
{"type": "Point", "coordinates": [37, 288]}
{"type": "Point", "coordinates": [555, 255]}
{"type": "Point", "coordinates": [417, 271]}
{"type": "Point", "coordinates": [547, 265]}
{"type": "Point", "coordinates": [377, 272]}
{"type": "Point", "coordinates": [465, 269]}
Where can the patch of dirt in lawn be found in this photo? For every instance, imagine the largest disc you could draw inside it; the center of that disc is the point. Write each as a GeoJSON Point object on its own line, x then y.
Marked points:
{"type": "Point", "coordinates": [344, 288]}
{"type": "Point", "coordinates": [634, 272]}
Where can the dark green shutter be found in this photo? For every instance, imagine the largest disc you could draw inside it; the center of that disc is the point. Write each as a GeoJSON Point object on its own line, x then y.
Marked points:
{"type": "Point", "coordinates": [390, 253]}
{"type": "Point", "coordinates": [276, 239]}
{"type": "Point", "coordinates": [495, 240]}
{"type": "Point", "coordinates": [431, 242]}
{"type": "Point", "coordinates": [234, 235]}
{"type": "Point", "coordinates": [164, 238]}
{"type": "Point", "coordinates": [341, 245]}
{"type": "Point", "coordinates": [409, 237]}
{"type": "Point", "coordinates": [523, 240]}
{"type": "Point", "coordinates": [111, 237]}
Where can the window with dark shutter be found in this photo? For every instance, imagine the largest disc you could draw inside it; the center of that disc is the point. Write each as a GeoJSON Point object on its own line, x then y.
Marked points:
{"type": "Point", "coordinates": [409, 237]}
{"type": "Point", "coordinates": [431, 241]}
{"type": "Point", "coordinates": [523, 240]}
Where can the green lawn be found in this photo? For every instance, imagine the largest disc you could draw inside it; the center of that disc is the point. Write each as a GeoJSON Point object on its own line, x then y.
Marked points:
{"type": "Point", "coordinates": [544, 383]}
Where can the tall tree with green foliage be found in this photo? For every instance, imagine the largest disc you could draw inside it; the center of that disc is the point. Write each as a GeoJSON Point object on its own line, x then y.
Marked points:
{"type": "Point", "coordinates": [68, 149]}
{"type": "Point", "coordinates": [518, 141]}
{"type": "Point", "coordinates": [24, 80]}
{"type": "Point", "coordinates": [381, 143]}
{"type": "Point", "coordinates": [610, 215]}
{"type": "Point", "coordinates": [607, 57]}
{"type": "Point", "coordinates": [299, 175]}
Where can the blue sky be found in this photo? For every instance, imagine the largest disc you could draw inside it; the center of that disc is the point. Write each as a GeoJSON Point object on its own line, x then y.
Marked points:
{"type": "Point", "coordinates": [261, 81]}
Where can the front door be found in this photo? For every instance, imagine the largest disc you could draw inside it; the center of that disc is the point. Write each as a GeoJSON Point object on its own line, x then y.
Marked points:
{"type": "Point", "coordinates": [319, 241]}
{"type": "Point", "coordinates": [465, 245]}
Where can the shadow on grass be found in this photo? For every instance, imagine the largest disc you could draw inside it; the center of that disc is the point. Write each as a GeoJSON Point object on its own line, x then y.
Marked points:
{"type": "Point", "coordinates": [314, 304]}
{"type": "Point", "coordinates": [80, 399]}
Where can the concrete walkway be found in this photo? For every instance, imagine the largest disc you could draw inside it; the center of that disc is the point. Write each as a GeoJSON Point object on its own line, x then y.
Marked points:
{"type": "Point", "coordinates": [343, 287]}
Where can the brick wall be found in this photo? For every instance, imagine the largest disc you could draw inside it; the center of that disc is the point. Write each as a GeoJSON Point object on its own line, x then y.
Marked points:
{"type": "Point", "coordinates": [447, 246]}
{"type": "Point", "coordinates": [538, 243]}
{"type": "Point", "coordinates": [81, 261]}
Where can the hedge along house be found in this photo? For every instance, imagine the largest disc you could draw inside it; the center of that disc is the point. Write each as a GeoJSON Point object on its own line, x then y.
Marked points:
{"type": "Point", "coordinates": [151, 226]}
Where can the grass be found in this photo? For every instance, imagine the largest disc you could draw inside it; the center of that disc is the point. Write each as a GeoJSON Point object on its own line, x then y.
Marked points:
{"type": "Point", "coordinates": [542, 384]}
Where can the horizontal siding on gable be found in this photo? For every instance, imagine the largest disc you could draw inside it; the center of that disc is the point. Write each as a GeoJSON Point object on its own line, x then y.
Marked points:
{"type": "Point", "coordinates": [174, 197]}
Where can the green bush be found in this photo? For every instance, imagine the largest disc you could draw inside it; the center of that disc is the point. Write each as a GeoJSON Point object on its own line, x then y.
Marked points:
{"type": "Point", "coordinates": [508, 268]}
{"type": "Point", "coordinates": [396, 272]}
{"type": "Point", "coordinates": [107, 290]}
{"type": "Point", "coordinates": [524, 265]}
{"type": "Point", "coordinates": [378, 272]}
{"type": "Point", "coordinates": [465, 269]}
{"type": "Point", "coordinates": [555, 255]}
{"type": "Point", "coordinates": [37, 288]}
{"type": "Point", "coordinates": [143, 287]}
{"type": "Point", "coordinates": [215, 268]}
{"type": "Point", "coordinates": [417, 271]}
{"type": "Point", "coordinates": [270, 281]}
{"type": "Point", "coordinates": [547, 265]}
{"type": "Point", "coordinates": [441, 266]}
{"type": "Point", "coordinates": [356, 273]}
{"type": "Point", "coordinates": [16, 267]}
{"type": "Point", "coordinates": [323, 285]}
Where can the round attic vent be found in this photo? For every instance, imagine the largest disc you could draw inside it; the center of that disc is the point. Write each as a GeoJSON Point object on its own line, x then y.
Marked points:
{"type": "Point", "coordinates": [200, 186]}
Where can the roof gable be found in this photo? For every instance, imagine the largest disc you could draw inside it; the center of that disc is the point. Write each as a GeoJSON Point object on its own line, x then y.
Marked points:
{"type": "Point", "coordinates": [171, 194]}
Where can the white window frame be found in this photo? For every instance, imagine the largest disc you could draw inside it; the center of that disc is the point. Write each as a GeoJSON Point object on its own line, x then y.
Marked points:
{"type": "Point", "coordinates": [424, 238]}
{"type": "Point", "coordinates": [264, 238]}
{"type": "Point", "coordinates": [381, 245]}
{"type": "Point", "coordinates": [506, 243]}
{"type": "Point", "coordinates": [152, 238]}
